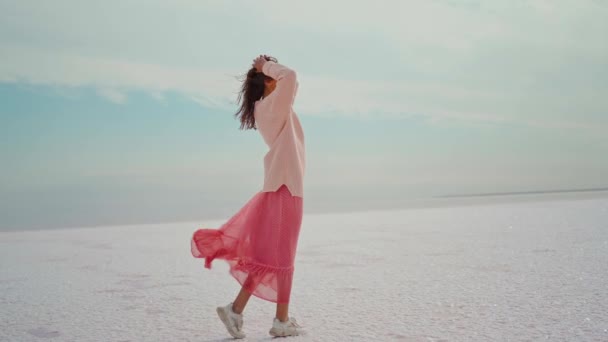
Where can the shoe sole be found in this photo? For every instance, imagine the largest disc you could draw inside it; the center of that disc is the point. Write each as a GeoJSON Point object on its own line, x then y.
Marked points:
{"type": "Point", "coordinates": [224, 318]}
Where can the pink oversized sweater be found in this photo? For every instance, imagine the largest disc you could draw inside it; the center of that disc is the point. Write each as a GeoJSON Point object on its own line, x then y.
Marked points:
{"type": "Point", "coordinates": [285, 161]}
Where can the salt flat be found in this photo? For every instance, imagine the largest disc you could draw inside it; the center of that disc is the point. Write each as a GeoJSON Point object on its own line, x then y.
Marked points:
{"type": "Point", "coordinates": [530, 271]}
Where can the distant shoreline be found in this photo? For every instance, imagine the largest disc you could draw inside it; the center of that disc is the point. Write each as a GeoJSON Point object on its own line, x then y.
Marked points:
{"type": "Point", "coordinates": [452, 200]}
{"type": "Point", "coordinates": [534, 192]}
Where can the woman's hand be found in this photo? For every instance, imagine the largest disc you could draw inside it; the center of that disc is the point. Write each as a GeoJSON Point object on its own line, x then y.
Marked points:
{"type": "Point", "coordinates": [258, 63]}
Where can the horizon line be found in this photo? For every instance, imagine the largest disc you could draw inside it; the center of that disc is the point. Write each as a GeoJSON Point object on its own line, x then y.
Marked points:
{"type": "Point", "coordinates": [531, 192]}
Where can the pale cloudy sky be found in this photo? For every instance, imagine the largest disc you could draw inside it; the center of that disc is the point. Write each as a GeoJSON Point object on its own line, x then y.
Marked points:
{"type": "Point", "coordinates": [121, 111]}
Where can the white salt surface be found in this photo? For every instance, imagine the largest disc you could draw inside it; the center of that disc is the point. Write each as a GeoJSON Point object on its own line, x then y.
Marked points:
{"type": "Point", "coordinates": [502, 272]}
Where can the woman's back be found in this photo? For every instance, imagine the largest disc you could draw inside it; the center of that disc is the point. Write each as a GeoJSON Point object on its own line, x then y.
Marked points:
{"type": "Point", "coordinates": [282, 131]}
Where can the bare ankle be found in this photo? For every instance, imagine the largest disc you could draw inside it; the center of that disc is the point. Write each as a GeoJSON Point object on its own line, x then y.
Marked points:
{"type": "Point", "coordinates": [236, 309]}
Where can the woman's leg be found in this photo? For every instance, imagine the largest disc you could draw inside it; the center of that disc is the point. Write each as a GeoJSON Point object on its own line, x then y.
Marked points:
{"type": "Point", "coordinates": [284, 293]}
{"type": "Point", "coordinates": [282, 311]}
{"type": "Point", "coordinates": [241, 301]}
{"type": "Point", "coordinates": [243, 297]}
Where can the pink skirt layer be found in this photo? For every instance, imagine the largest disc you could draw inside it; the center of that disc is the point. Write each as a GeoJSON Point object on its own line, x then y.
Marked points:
{"type": "Point", "coordinates": [259, 243]}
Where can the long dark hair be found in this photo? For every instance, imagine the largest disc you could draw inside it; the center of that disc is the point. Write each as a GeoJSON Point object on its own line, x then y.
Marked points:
{"type": "Point", "coordinates": [252, 90]}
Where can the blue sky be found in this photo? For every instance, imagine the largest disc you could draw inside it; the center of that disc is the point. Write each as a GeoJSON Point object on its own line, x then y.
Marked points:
{"type": "Point", "coordinates": [122, 111]}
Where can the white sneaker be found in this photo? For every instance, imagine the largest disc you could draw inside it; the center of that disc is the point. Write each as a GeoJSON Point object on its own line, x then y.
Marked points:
{"type": "Point", "coordinates": [232, 321]}
{"type": "Point", "coordinates": [289, 328]}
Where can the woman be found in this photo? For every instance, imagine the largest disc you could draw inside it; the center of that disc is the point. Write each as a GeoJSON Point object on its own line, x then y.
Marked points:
{"type": "Point", "coordinates": [259, 241]}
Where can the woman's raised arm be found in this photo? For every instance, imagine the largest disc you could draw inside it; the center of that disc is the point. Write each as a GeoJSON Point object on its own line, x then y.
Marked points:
{"type": "Point", "coordinates": [282, 97]}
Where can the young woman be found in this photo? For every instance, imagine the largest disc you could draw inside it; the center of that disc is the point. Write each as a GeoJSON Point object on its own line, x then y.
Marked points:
{"type": "Point", "coordinates": [259, 242]}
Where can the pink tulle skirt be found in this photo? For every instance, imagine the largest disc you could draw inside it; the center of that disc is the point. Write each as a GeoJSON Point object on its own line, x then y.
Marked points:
{"type": "Point", "coordinates": [259, 243]}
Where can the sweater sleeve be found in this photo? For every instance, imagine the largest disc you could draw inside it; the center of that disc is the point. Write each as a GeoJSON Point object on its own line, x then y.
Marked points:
{"type": "Point", "coordinates": [287, 85]}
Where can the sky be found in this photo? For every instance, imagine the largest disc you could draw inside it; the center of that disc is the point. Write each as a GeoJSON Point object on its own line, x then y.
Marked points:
{"type": "Point", "coordinates": [122, 112]}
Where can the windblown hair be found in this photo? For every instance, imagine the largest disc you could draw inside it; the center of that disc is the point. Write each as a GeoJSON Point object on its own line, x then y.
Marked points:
{"type": "Point", "coordinates": [252, 90]}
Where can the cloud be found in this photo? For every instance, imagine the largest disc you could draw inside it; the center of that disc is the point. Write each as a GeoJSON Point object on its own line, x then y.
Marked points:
{"type": "Point", "coordinates": [32, 65]}
{"type": "Point", "coordinates": [511, 62]}
{"type": "Point", "coordinates": [112, 95]}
